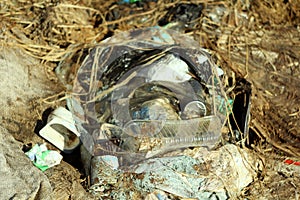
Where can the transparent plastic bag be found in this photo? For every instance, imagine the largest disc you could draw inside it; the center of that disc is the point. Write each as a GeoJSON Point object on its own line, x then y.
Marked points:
{"type": "Point", "coordinates": [145, 92]}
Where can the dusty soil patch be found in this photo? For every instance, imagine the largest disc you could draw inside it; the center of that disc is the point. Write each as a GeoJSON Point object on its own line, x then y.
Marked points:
{"type": "Point", "coordinates": [24, 85]}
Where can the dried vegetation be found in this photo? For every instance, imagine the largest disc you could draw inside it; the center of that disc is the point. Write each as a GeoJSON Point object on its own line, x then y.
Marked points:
{"type": "Point", "coordinates": [255, 39]}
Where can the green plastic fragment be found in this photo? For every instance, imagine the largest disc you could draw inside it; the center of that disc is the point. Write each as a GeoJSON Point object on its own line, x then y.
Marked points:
{"type": "Point", "coordinates": [40, 160]}
{"type": "Point", "coordinates": [43, 158]}
{"type": "Point", "coordinates": [224, 106]}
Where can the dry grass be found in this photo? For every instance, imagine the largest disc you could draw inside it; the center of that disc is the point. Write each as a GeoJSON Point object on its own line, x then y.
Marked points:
{"type": "Point", "coordinates": [258, 40]}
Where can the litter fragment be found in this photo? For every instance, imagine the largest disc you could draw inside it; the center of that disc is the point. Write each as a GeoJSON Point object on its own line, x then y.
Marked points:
{"type": "Point", "coordinates": [292, 162]}
{"type": "Point", "coordinates": [198, 174]}
{"type": "Point", "coordinates": [42, 157]}
{"type": "Point", "coordinates": [182, 15]}
{"type": "Point", "coordinates": [157, 195]}
{"type": "Point", "coordinates": [61, 131]}
{"type": "Point", "coordinates": [129, 1]}
{"type": "Point", "coordinates": [221, 173]}
{"type": "Point", "coordinates": [111, 161]}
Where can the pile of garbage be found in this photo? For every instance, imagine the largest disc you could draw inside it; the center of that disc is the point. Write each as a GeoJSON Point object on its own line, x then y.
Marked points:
{"type": "Point", "coordinates": [139, 120]}
{"type": "Point", "coordinates": [150, 102]}
{"type": "Point", "coordinates": [153, 93]}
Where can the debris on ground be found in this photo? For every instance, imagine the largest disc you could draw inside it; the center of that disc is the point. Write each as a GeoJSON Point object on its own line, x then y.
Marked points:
{"type": "Point", "coordinates": [21, 105]}
{"type": "Point", "coordinates": [253, 41]}
{"type": "Point", "coordinates": [43, 158]}
{"type": "Point", "coordinates": [61, 131]}
{"type": "Point", "coordinates": [199, 174]}
{"type": "Point", "coordinates": [19, 178]}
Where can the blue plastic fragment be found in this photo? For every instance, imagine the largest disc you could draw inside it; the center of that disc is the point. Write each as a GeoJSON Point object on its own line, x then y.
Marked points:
{"type": "Point", "coordinates": [129, 1]}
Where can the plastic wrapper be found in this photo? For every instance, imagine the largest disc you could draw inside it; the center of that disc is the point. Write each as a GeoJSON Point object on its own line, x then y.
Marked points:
{"type": "Point", "coordinates": [145, 92]}
{"type": "Point", "coordinates": [43, 158]}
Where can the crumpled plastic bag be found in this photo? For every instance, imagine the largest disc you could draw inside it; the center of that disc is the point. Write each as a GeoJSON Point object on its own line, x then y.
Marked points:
{"type": "Point", "coordinates": [145, 92]}
{"type": "Point", "coordinates": [43, 158]}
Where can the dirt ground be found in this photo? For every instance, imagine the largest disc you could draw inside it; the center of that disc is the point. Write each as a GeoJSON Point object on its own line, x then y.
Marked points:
{"type": "Point", "coordinates": [251, 39]}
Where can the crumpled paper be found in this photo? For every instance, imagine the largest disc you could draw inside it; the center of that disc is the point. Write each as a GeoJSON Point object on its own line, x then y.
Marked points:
{"type": "Point", "coordinates": [43, 158]}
